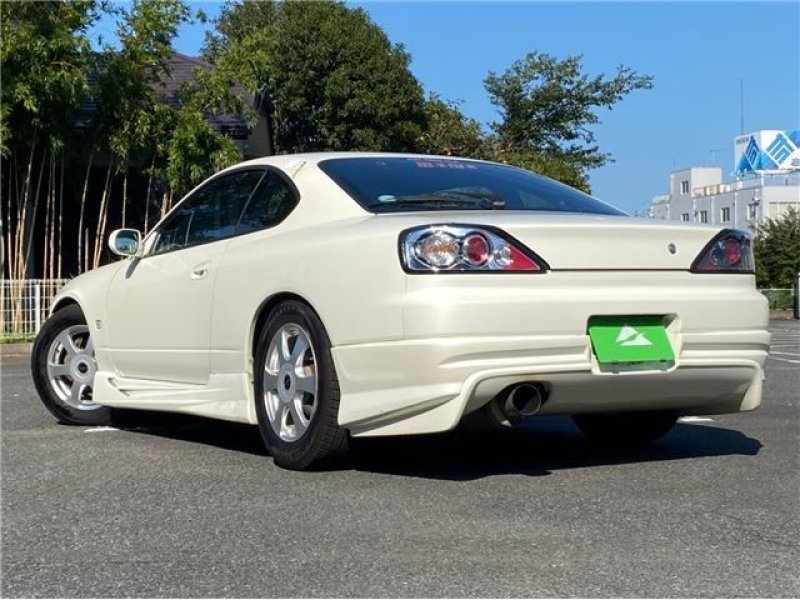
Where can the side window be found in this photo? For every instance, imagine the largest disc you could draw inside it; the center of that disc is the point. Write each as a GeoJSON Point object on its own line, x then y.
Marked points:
{"type": "Point", "coordinates": [272, 201]}
{"type": "Point", "coordinates": [210, 214]}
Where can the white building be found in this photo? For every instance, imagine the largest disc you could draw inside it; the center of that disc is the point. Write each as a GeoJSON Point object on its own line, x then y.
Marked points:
{"type": "Point", "coordinates": [767, 183]}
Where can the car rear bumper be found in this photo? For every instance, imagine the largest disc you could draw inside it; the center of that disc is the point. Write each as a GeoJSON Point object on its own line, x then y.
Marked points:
{"type": "Point", "coordinates": [467, 340]}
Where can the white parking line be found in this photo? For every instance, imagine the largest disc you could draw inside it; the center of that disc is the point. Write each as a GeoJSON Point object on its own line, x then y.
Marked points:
{"type": "Point", "coordinates": [785, 353]}
{"type": "Point", "coordinates": [794, 362]}
{"type": "Point", "coordinates": [695, 419]}
{"type": "Point", "coordinates": [99, 429]}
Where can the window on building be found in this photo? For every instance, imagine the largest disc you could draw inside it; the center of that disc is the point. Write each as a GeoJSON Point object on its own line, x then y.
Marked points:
{"type": "Point", "coordinates": [725, 214]}
{"type": "Point", "coordinates": [685, 217]}
{"type": "Point", "coordinates": [703, 216]}
{"type": "Point", "coordinates": [752, 211]}
{"type": "Point", "coordinates": [685, 186]}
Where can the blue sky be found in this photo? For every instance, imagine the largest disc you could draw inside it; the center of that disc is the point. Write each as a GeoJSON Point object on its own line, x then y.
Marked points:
{"type": "Point", "coordinates": [697, 53]}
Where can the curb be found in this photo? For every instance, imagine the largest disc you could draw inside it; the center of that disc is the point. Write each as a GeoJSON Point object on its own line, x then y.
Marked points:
{"type": "Point", "coordinates": [15, 349]}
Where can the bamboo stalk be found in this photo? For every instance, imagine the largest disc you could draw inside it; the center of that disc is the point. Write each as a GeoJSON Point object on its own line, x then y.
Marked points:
{"type": "Point", "coordinates": [147, 196]}
{"type": "Point", "coordinates": [61, 219]}
{"type": "Point", "coordinates": [7, 231]}
{"type": "Point", "coordinates": [30, 229]}
{"type": "Point", "coordinates": [101, 225]}
{"type": "Point", "coordinates": [52, 270]}
{"type": "Point", "coordinates": [83, 210]}
{"type": "Point", "coordinates": [3, 232]}
{"type": "Point", "coordinates": [125, 193]}
{"type": "Point", "coordinates": [86, 251]}
{"type": "Point", "coordinates": [47, 204]}
{"type": "Point", "coordinates": [21, 215]}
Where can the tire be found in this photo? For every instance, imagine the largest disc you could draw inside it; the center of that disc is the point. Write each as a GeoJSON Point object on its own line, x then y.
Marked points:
{"type": "Point", "coordinates": [63, 368]}
{"type": "Point", "coordinates": [626, 429]}
{"type": "Point", "coordinates": [297, 391]}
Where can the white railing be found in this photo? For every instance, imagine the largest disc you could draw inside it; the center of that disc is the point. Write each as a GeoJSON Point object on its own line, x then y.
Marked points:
{"type": "Point", "coordinates": [24, 306]}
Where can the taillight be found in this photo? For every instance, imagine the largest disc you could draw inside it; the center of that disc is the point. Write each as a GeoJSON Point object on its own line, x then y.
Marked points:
{"type": "Point", "coordinates": [459, 248]}
{"type": "Point", "coordinates": [729, 252]}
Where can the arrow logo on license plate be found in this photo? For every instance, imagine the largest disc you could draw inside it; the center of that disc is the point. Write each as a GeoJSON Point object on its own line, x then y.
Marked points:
{"type": "Point", "coordinates": [629, 336]}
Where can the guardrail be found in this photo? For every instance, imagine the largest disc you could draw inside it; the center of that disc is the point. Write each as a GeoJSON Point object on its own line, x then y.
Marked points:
{"type": "Point", "coordinates": [24, 306]}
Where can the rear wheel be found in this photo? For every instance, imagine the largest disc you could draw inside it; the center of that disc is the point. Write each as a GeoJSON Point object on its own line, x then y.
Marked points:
{"type": "Point", "coordinates": [296, 390]}
{"type": "Point", "coordinates": [63, 369]}
{"type": "Point", "coordinates": [626, 429]}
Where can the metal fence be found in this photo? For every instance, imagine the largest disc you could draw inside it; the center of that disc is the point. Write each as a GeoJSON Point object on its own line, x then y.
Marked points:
{"type": "Point", "coordinates": [779, 298]}
{"type": "Point", "coordinates": [24, 306]}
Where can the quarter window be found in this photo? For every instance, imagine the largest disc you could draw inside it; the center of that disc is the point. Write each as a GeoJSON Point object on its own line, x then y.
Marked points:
{"type": "Point", "coordinates": [272, 201]}
{"type": "Point", "coordinates": [210, 214]}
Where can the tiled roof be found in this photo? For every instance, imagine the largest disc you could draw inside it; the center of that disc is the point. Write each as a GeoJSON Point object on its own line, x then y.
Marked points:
{"type": "Point", "coordinates": [181, 71]}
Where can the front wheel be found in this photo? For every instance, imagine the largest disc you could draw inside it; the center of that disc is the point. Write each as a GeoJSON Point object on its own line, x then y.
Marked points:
{"type": "Point", "coordinates": [63, 369]}
{"type": "Point", "coordinates": [296, 390]}
{"type": "Point", "coordinates": [625, 429]}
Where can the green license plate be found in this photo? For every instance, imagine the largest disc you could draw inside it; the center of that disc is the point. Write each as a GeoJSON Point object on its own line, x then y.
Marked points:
{"type": "Point", "coordinates": [634, 339]}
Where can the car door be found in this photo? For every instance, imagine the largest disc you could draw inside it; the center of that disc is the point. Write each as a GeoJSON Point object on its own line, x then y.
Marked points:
{"type": "Point", "coordinates": [238, 292]}
{"type": "Point", "coordinates": [159, 306]}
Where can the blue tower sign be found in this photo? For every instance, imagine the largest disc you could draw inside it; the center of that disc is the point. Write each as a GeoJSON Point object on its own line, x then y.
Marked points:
{"type": "Point", "coordinates": [768, 150]}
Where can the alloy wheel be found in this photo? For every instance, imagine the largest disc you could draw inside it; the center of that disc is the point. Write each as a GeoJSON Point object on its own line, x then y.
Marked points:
{"type": "Point", "coordinates": [71, 367]}
{"type": "Point", "coordinates": [290, 382]}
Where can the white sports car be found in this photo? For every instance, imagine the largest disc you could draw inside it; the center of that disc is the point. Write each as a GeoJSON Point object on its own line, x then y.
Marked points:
{"type": "Point", "coordinates": [324, 296]}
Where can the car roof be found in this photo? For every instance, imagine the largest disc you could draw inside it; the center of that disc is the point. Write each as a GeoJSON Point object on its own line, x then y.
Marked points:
{"type": "Point", "coordinates": [285, 160]}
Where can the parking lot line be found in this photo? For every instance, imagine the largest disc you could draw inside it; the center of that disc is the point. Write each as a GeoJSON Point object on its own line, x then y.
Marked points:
{"type": "Point", "coordinates": [795, 362]}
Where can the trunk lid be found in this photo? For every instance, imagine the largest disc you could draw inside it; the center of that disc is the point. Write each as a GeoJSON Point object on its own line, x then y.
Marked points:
{"type": "Point", "coordinates": [570, 241]}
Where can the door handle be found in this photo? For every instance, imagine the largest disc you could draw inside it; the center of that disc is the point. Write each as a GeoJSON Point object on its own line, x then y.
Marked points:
{"type": "Point", "coordinates": [199, 273]}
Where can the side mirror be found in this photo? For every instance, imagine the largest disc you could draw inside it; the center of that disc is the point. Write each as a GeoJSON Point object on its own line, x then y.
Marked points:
{"type": "Point", "coordinates": [124, 242]}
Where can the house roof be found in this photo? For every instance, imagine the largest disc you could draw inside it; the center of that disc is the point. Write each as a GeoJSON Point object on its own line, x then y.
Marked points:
{"type": "Point", "coordinates": [181, 71]}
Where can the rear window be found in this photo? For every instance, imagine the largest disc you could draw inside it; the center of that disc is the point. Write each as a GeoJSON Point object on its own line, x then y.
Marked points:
{"type": "Point", "coordinates": [398, 184]}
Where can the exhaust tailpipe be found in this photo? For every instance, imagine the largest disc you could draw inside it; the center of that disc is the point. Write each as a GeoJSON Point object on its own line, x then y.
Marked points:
{"type": "Point", "coordinates": [524, 400]}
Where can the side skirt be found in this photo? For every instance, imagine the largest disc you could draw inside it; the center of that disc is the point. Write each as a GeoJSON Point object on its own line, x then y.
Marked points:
{"type": "Point", "coordinates": [228, 397]}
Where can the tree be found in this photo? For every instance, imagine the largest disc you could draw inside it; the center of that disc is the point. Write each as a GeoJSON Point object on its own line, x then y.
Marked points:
{"type": "Point", "coordinates": [45, 55]}
{"type": "Point", "coordinates": [126, 94]}
{"type": "Point", "coordinates": [329, 76]}
{"type": "Point", "coordinates": [548, 107]}
{"type": "Point", "coordinates": [50, 74]}
{"type": "Point", "coordinates": [777, 251]}
{"type": "Point", "coordinates": [449, 132]}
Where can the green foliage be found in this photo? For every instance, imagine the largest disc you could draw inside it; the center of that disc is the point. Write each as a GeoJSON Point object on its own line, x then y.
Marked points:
{"type": "Point", "coordinates": [126, 83]}
{"type": "Point", "coordinates": [49, 75]}
{"type": "Point", "coordinates": [777, 251]}
{"type": "Point", "coordinates": [195, 150]}
{"type": "Point", "coordinates": [45, 51]}
{"type": "Point", "coordinates": [331, 77]}
{"type": "Point", "coordinates": [134, 119]}
{"type": "Point", "coordinates": [548, 107]}
{"type": "Point", "coordinates": [328, 78]}
{"type": "Point", "coordinates": [449, 132]}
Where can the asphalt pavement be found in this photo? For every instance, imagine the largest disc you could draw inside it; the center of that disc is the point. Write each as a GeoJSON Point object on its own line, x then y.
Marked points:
{"type": "Point", "coordinates": [190, 507]}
